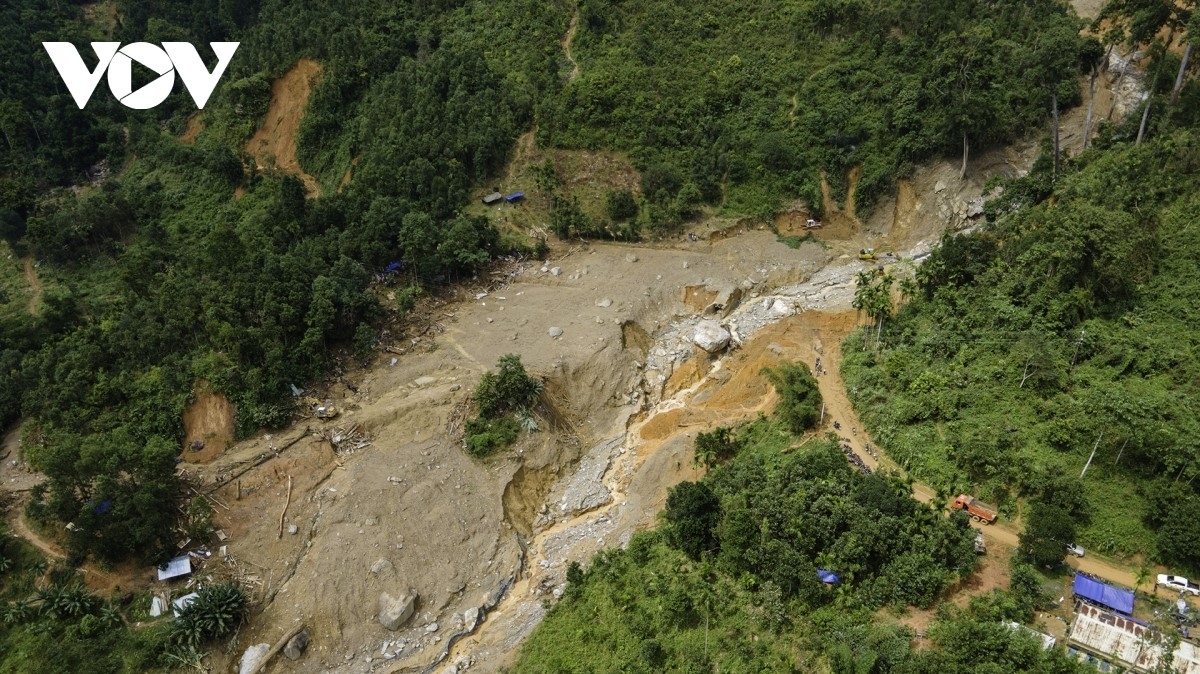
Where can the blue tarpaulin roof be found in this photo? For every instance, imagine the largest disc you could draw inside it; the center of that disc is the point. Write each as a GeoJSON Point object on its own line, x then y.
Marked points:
{"type": "Point", "coordinates": [1115, 598]}
{"type": "Point", "coordinates": [393, 267]}
{"type": "Point", "coordinates": [827, 576]}
{"type": "Point", "coordinates": [514, 196]}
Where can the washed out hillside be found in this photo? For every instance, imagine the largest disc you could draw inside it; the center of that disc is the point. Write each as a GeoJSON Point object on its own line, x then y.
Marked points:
{"type": "Point", "coordinates": [603, 336]}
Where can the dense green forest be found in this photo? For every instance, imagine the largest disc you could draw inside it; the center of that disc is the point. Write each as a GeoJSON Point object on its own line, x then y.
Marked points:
{"type": "Point", "coordinates": [1063, 333]}
{"type": "Point", "coordinates": [158, 277]}
{"type": "Point", "coordinates": [729, 582]}
{"type": "Point", "coordinates": [746, 104]}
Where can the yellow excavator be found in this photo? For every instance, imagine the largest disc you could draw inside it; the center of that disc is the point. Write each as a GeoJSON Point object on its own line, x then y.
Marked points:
{"type": "Point", "coordinates": [872, 254]}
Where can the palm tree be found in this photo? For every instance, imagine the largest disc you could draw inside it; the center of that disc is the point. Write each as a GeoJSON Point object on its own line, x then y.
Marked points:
{"type": "Point", "coordinates": [874, 298]}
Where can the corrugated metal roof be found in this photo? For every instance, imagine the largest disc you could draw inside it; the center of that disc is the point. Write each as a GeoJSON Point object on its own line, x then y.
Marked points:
{"type": "Point", "coordinates": [1125, 639]}
{"type": "Point", "coordinates": [180, 566]}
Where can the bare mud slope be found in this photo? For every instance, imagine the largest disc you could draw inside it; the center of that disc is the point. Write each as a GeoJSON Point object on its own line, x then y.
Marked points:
{"type": "Point", "coordinates": [482, 543]}
{"type": "Point", "coordinates": [274, 143]}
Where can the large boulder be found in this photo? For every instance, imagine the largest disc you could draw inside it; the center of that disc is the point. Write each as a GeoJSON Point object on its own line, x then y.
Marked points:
{"type": "Point", "coordinates": [296, 646]}
{"type": "Point", "coordinates": [710, 336]}
{"type": "Point", "coordinates": [394, 612]}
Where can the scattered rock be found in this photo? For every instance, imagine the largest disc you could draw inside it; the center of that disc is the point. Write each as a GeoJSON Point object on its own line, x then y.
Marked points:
{"type": "Point", "coordinates": [975, 207]}
{"type": "Point", "coordinates": [710, 336]}
{"type": "Point", "coordinates": [431, 627]}
{"type": "Point", "coordinates": [296, 646]}
{"type": "Point", "coordinates": [293, 529]}
{"type": "Point", "coordinates": [604, 303]}
{"type": "Point", "coordinates": [380, 566]}
{"type": "Point", "coordinates": [631, 258]}
{"type": "Point", "coordinates": [424, 381]}
{"type": "Point", "coordinates": [394, 612]}
{"type": "Point", "coordinates": [939, 186]}
{"type": "Point", "coordinates": [556, 271]}
{"type": "Point", "coordinates": [252, 657]}
{"type": "Point", "coordinates": [470, 617]}
{"type": "Point", "coordinates": [555, 332]}
{"type": "Point", "coordinates": [780, 308]}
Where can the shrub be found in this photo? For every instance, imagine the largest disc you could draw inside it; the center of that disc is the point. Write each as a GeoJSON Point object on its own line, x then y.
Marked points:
{"type": "Point", "coordinates": [799, 397]}
{"type": "Point", "coordinates": [508, 390]}
{"type": "Point", "coordinates": [216, 612]}
{"type": "Point", "coordinates": [199, 515]}
{"type": "Point", "coordinates": [621, 205]}
{"type": "Point", "coordinates": [715, 447]}
{"type": "Point", "coordinates": [691, 516]}
{"type": "Point", "coordinates": [486, 436]}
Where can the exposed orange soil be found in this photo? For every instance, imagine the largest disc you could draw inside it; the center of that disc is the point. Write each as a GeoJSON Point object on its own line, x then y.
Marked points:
{"type": "Point", "coordinates": [194, 127]}
{"type": "Point", "coordinates": [274, 144]}
{"type": "Point", "coordinates": [210, 420]}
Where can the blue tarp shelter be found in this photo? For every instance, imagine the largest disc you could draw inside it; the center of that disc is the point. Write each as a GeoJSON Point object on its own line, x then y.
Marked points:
{"type": "Point", "coordinates": [514, 197]}
{"type": "Point", "coordinates": [393, 267]}
{"type": "Point", "coordinates": [1118, 599]}
{"type": "Point", "coordinates": [827, 576]}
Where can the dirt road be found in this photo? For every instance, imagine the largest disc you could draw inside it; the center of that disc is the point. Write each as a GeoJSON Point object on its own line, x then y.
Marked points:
{"type": "Point", "coordinates": [566, 45]}
{"type": "Point", "coordinates": [35, 285]}
{"type": "Point", "coordinates": [1001, 533]}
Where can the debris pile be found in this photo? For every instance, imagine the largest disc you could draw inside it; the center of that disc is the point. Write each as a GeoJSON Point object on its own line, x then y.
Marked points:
{"type": "Point", "coordinates": [346, 441]}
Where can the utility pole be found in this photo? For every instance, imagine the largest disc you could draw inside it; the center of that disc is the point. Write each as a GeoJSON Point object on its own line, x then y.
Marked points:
{"type": "Point", "coordinates": [1089, 461]}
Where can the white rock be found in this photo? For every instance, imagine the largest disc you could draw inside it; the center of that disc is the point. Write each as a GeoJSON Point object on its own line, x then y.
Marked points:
{"type": "Point", "coordinates": [431, 627]}
{"type": "Point", "coordinates": [780, 308]}
{"type": "Point", "coordinates": [555, 332]}
{"type": "Point", "coordinates": [939, 186]}
{"type": "Point", "coordinates": [710, 336]}
{"type": "Point", "coordinates": [555, 271]}
{"type": "Point", "coordinates": [252, 657]}
{"type": "Point", "coordinates": [604, 303]}
{"type": "Point", "coordinates": [394, 612]}
{"type": "Point", "coordinates": [380, 566]}
{"type": "Point", "coordinates": [293, 529]}
{"type": "Point", "coordinates": [631, 258]}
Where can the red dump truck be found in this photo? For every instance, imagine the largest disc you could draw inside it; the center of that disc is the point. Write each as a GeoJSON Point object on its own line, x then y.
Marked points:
{"type": "Point", "coordinates": [979, 511]}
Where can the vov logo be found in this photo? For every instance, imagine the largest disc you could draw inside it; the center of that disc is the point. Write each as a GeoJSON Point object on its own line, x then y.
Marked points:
{"type": "Point", "coordinates": [171, 58]}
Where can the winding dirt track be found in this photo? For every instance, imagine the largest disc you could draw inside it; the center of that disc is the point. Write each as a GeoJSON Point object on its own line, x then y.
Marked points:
{"type": "Point", "coordinates": [35, 285]}
{"type": "Point", "coordinates": [566, 45]}
{"type": "Point", "coordinates": [838, 407]}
